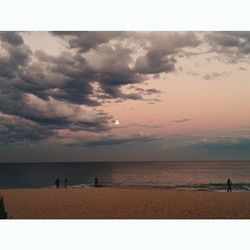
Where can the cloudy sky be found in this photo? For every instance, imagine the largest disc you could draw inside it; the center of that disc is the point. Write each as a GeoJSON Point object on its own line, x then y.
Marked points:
{"type": "Point", "coordinates": [94, 96]}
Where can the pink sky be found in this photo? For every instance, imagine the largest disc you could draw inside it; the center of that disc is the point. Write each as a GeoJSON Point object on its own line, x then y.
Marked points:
{"type": "Point", "coordinates": [71, 87]}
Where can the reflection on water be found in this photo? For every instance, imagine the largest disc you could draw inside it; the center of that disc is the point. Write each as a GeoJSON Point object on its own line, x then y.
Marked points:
{"type": "Point", "coordinates": [197, 175]}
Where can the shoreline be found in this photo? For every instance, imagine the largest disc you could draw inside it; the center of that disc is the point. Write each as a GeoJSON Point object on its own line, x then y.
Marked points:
{"type": "Point", "coordinates": [86, 186]}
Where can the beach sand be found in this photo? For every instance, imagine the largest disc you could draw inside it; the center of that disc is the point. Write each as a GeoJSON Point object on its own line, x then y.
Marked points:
{"type": "Point", "coordinates": [119, 203]}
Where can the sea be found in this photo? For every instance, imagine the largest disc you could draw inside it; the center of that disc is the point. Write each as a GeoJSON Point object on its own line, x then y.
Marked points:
{"type": "Point", "coordinates": [191, 175]}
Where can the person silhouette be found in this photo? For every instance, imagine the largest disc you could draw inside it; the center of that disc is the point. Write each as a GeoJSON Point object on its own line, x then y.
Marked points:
{"type": "Point", "coordinates": [229, 185]}
{"type": "Point", "coordinates": [57, 182]}
{"type": "Point", "coordinates": [3, 213]}
{"type": "Point", "coordinates": [65, 182]}
{"type": "Point", "coordinates": [96, 181]}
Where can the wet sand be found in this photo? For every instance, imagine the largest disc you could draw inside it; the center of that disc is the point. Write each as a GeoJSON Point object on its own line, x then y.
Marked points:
{"type": "Point", "coordinates": [124, 203]}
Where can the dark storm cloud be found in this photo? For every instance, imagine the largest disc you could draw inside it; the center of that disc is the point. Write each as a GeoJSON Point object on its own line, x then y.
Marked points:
{"type": "Point", "coordinates": [75, 91]}
{"type": "Point", "coordinates": [51, 114]}
{"type": "Point", "coordinates": [113, 61]}
{"type": "Point", "coordinates": [112, 68]}
{"type": "Point", "coordinates": [76, 73]}
{"type": "Point", "coordinates": [54, 92]}
{"type": "Point", "coordinates": [109, 92]}
{"type": "Point", "coordinates": [66, 77]}
{"type": "Point", "coordinates": [14, 129]}
{"type": "Point", "coordinates": [17, 54]}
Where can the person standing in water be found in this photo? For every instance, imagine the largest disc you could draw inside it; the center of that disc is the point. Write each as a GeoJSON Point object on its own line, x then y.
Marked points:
{"type": "Point", "coordinates": [229, 185]}
{"type": "Point", "coordinates": [65, 182]}
{"type": "Point", "coordinates": [57, 182]}
{"type": "Point", "coordinates": [96, 181]}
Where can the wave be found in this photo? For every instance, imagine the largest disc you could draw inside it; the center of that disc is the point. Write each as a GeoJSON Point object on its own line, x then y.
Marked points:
{"type": "Point", "coordinates": [201, 186]}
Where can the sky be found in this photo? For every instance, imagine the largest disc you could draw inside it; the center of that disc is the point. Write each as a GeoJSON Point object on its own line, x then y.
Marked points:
{"type": "Point", "coordinates": [124, 96]}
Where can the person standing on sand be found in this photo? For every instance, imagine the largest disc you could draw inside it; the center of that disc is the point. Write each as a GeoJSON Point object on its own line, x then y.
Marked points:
{"type": "Point", "coordinates": [65, 182]}
{"type": "Point", "coordinates": [57, 182]}
{"type": "Point", "coordinates": [3, 213]}
{"type": "Point", "coordinates": [229, 184]}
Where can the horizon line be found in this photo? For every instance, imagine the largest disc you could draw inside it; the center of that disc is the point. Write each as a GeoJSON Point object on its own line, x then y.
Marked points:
{"type": "Point", "coordinates": [43, 162]}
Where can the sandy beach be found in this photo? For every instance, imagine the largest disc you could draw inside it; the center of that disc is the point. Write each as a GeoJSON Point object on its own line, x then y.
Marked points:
{"type": "Point", "coordinates": [124, 203]}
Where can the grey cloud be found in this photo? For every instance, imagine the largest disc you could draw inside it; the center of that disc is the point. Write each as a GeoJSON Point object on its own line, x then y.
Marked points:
{"type": "Point", "coordinates": [132, 96]}
{"type": "Point", "coordinates": [214, 75]}
{"type": "Point", "coordinates": [146, 125]}
{"type": "Point", "coordinates": [154, 62]}
{"type": "Point", "coordinates": [225, 145]}
{"type": "Point", "coordinates": [141, 93]}
{"type": "Point", "coordinates": [137, 89]}
{"type": "Point", "coordinates": [75, 91]}
{"type": "Point", "coordinates": [109, 92]}
{"type": "Point", "coordinates": [48, 90]}
{"type": "Point", "coordinates": [209, 76]}
{"type": "Point", "coordinates": [242, 68]}
{"type": "Point", "coordinates": [14, 129]}
{"type": "Point", "coordinates": [111, 63]}
{"type": "Point", "coordinates": [11, 37]}
{"type": "Point", "coordinates": [153, 91]}
{"type": "Point", "coordinates": [110, 141]}
{"type": "Point", "coordinates": [85, 40]}
{"type": "Point", "coordinates": [106, 65]}
{"type": "Point", "coordinates": [234, 45]}
{"type": "Point", "coordinates": [182, 120]}
{"type": "Point", "coordinates": [160, 56]}
{"type": "Point", "coordinates": [68, 77]}
{"type": "Point", "coordinates": [61, 78]}
{"type": "Point", "coordinates": [111, 66]}
{"type": "Point", "coordinates": [62, 115]}
{"type": "Point", "coordinates": [51, 113]}
{"type": "Point", "coordinates": [238, 39]}
{"type": "Point", "coordinates": [18, 54]}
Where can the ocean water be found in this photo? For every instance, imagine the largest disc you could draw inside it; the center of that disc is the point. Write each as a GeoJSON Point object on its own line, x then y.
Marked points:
{"type": "Point", "coordinates": [210, 175]}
